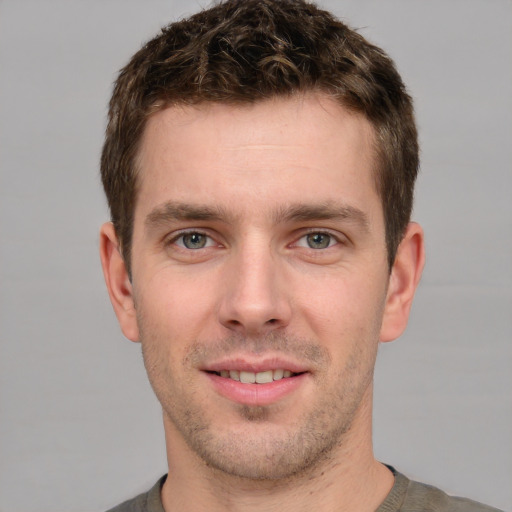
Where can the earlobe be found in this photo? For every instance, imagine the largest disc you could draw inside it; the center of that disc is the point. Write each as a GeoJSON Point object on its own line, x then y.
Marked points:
{"type": "Point", "coordinates": [118, 282]}
{"type": "Point", "coordinates": [403, 281]}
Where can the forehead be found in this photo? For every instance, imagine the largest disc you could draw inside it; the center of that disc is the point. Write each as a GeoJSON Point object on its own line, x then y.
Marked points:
{"type": "Point", "coordinates": [298, 149]}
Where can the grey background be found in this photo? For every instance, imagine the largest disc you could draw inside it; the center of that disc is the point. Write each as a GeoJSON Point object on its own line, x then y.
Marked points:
{"type": "Point", "coordinates": [79, 427]}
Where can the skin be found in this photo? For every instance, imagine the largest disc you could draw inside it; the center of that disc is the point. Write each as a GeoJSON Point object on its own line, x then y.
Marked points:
{"type": "Point", "coordinates": [259, 240]}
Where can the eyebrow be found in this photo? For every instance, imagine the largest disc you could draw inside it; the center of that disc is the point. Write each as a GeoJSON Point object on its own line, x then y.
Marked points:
{"type": "Point", "coordinates": [173, 211]}
{"type": "Point", "coordinates": [323, 211]}
{"type": "Point", "coordinates": [176, 211]}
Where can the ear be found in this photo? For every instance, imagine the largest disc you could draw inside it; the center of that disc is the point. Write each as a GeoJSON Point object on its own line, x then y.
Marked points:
{"type": "Point", "coordinates": [403, 281]}
{"type": "Point", "coordinates": [118, 282]}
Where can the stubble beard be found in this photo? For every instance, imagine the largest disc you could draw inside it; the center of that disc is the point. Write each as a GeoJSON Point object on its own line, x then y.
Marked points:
{"type": "Point", "coordinates": [263, 450]}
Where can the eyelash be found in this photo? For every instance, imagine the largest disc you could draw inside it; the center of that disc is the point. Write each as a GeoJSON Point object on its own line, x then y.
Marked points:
{"type": "Point", "coordinates": [208, 243]}
{"type": "Point", "coordinates": [334, 239]}
{"type": "Point", "coordinates": [177, 236]}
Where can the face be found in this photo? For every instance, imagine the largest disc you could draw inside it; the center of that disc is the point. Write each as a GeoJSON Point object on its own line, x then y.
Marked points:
{"type": "Point", "coordinates": [260, 284]}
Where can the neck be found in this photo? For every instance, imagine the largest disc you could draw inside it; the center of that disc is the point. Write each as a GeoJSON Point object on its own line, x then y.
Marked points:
{"type": "Point", "coordinates": [349, 478]}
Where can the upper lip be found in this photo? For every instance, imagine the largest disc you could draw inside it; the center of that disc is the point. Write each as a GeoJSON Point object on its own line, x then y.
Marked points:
{"type": "Point", "coordinates": [250, 364]}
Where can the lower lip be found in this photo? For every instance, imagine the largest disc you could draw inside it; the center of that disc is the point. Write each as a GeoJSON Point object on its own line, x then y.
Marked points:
{"type": "Point", "coordinates": [256, 394]}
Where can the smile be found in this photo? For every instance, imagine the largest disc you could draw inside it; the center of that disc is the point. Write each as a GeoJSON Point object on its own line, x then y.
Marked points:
{"type": "Point", "coordinates": [264, 377]}
{"type": "Point", "coordinates": [257, 388]}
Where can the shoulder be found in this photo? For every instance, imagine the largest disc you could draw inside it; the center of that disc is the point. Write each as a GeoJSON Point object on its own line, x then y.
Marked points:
{"type": "Point", "coordinates": [419, 497]}
{"type": "Point", "coordinates": [149, 501]}
{"type": "Point", "coordinates": [137, 504]}
{"type": "Point", "coordinates": [426, 497]}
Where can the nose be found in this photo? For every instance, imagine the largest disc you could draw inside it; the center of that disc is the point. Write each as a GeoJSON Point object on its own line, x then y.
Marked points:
{"type": "Point", "coordinates": [254, 299]}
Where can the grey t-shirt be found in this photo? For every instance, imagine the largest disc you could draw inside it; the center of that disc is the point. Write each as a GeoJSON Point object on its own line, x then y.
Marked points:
{"type": "Point", "coordinates": [405, 496]}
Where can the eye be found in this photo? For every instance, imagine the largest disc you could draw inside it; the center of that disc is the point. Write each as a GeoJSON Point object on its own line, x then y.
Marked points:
{"type": "Point", "coordinates": [317, 240]}
{"type": "Point", "coordinates": [194, 240]}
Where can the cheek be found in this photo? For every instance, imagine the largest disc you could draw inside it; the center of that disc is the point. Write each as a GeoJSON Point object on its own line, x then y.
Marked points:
{"type": "Point", "coordinates": [344, 311]}
{"type": "Point", "coordinates": [174, 305]}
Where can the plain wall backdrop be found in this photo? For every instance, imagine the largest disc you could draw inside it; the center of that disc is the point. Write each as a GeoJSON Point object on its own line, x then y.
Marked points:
{"type": "Point", "coordinates": [80, 429]}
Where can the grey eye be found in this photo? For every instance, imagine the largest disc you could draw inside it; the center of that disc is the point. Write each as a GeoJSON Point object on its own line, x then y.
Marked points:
{"type": "Point", "coordinates": [194, 240]}
{"type": "Point", "coordinates": [318, 240]}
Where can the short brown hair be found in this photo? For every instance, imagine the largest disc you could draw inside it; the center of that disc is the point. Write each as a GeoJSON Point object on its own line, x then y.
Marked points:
{"type": "Point", "coordinates": [244, 51]}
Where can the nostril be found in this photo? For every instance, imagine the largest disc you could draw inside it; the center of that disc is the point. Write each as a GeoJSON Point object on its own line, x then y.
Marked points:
{"type": "Point", "coordinates": [271, 321]}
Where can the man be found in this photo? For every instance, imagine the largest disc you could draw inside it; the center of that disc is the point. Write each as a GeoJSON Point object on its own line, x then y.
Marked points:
{"type": "Point", "coordinates": [259, 165]}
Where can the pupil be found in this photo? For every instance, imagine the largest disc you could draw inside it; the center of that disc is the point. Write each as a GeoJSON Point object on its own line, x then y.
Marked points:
{"type": "Point", "coordinates": [194, 241]}
{"type": "Point", "coordinates": [318, 241]}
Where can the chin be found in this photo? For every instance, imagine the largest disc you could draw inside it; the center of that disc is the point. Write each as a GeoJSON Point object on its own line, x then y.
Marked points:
{"type": "Point", "coordinates": [262, 451]}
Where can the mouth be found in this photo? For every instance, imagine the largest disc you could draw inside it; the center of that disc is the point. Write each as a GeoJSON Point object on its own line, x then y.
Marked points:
{"type": "Point", "coordinates": [262, 377]}
{"type": "Point", "coordinates": [256, 384]}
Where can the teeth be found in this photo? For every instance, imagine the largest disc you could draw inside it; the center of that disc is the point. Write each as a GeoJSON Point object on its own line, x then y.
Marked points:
{"type": "Point", "coordinates": [252, 378]}
{"type": "Point", "coordinates": [278, 374]}
{"type": "Point", "coordinates": [264, 377]}
{"type": "Point", "coordinates": [247, 377]}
